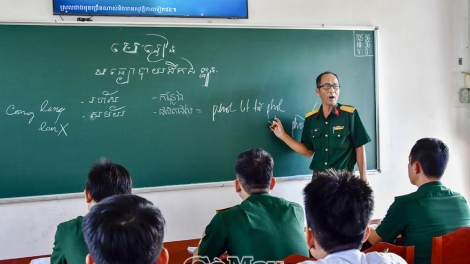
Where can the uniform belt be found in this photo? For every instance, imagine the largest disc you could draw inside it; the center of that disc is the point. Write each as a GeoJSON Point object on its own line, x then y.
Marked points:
{"type": "Point", "coordinates": [316, 173]}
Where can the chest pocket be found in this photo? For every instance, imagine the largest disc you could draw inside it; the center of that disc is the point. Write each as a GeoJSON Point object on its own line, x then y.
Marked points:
{"type": "Point", "coordinates": [340, 139]}
{"type": "Point", "coordinates": [315, 137]}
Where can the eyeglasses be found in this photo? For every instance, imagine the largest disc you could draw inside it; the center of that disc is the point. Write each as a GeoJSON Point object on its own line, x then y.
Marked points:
{"type": "Point", "coordinates": [328, 86]}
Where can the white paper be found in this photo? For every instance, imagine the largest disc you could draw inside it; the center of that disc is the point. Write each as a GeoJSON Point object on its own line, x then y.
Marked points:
{"type": "Point", "coordinates": [192, 249]}
{"type": "Point", "coordinates": [41, 261]}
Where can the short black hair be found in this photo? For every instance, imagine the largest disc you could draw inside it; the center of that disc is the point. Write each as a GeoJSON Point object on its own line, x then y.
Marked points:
{"type": "Point", "coordinates": [321, 75]}
{"type": "Point", "coordinates": [254, 170]}
{"type": "Point", "coordinates": [124, 229]}
{"type": "Point", "coordinates": [432, 154]}
{"type": "Point", "coordinates": [338, 207]}
{"type": "Point", "coordinates": [106, 178]}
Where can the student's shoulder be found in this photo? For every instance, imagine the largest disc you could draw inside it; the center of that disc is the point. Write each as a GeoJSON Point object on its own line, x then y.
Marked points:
{"type": "Point", "coordinates": [404, 199]}
{"type": "Point", "coordinates": [448, 192]}
{"type": "Point", "coordinates": [226, 212]}
{"type": "Point", "coordinates": [293, 204]}
{"type": "Point", "coordinates": [288, 203]}
{"type": "Point", "coordinates": [76, 222]}
{"type": "Point", "coordinates": [227, 215]}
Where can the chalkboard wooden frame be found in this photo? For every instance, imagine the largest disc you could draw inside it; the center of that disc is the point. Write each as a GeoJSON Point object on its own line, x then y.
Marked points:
{"type": "Point", "coordinates": [221, 183]}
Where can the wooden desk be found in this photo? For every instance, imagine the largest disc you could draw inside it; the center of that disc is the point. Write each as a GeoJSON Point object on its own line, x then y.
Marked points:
{"type": "Point", "coordinates": [26, 260]}
{"type": "Point", "coordinates": [178, 251]}
{"type": "Point", "coordinates": [366, 245]}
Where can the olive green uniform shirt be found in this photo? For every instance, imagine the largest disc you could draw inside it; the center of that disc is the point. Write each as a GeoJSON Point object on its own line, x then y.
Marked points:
{"type": "Point", "coordinates": [334, 139]}
{"type": "Point", "coordinates": [69, 244]}
{"type": "Point", "coordinates": [265, 227]}
{"type": "Point", "coordinates": [433, 210]}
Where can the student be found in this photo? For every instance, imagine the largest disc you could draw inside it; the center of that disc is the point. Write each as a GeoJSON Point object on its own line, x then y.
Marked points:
{"type": "Point", "coordinates": [125, 229]}
{"type": "Point", "coordinates": [105, 179]}
{"type": "Point", "coordinates": [433, 210]}
{"type": "Point", "coordinates": [262, 227]}
{"type": "Point", "coordinates": [338, 208]}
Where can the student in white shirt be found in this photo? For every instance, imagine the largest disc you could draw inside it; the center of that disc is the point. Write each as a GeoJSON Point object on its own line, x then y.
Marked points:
{"type": "Point", "coordinates": [338, 207]}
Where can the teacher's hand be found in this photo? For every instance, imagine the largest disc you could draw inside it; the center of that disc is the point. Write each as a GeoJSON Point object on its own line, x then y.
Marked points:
{"type": "Point", "coordinates": [277, 128]}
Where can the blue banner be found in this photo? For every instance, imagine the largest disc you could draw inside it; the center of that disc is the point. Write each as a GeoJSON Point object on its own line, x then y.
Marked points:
{"type": "Point", "coordinates": [177, 8]}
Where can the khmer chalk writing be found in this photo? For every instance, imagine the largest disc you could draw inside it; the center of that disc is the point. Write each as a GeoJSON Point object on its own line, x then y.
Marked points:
{"type": "Point", "coordinates": [157, 48]}
{"type": "Point", "coordinates": [106, 98]}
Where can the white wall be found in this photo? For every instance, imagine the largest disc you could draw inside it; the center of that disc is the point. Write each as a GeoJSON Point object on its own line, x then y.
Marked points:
{"type": "Point", "coordinates": [420, 42]}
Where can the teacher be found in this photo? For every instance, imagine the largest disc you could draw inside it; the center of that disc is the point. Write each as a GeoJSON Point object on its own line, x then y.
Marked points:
{"type": "Point", "coordinates": [333, 134]}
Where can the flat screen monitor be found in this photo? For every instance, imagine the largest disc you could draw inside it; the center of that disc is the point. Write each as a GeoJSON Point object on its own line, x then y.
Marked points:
{"type": "Point", "coordinates": [167, 8]}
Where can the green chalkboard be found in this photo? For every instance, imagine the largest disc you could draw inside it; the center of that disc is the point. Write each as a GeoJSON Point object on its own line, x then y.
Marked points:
{"type": "Point", "coordinates": [174, 105]}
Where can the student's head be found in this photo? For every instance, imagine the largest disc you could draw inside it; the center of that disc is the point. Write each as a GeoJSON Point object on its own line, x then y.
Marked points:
{"type": "Point", "coordinates": [338, 207]}
{"type": "Point", "coordinates": [429, 157]}
{"type": "Point", "coordinates": [254, 171]}
{"type": "Point", "coordinates": [124, 229]}
{"type": "Point", "coordinates": [105, 179]}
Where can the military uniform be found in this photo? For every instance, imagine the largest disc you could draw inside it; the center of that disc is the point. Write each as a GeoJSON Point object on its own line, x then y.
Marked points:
{"type": "Point", "coordinates": [69, 244]}
{"type": "Point", "coordinates": [433, 210]}
{"type": "Point", "coordinates": [265, 227]}
{"type": "Point", "coordinates": [335, 138]}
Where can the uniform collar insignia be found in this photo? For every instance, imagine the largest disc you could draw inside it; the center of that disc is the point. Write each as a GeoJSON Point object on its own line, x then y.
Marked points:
{"type": "Point", "coordinates": [336, 111]}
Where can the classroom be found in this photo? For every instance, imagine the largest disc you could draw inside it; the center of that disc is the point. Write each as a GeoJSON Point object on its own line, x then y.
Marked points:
{"type": "Point", "coordinates": [422, 50]}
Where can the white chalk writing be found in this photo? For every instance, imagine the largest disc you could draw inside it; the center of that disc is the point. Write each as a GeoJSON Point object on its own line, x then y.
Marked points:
{"type": "Point", "coordinates": [180, 110]}
{"type": "Point", "coordinates": [246, 107]}
{"type": "Point", "coordinates": [205, 73]}
{"type": "Point", "coordinates": [219, 109]}
{"type": "Point", "coordinates": [156, 47]}
{"type": "Point", "coordinates": [113, 112]}
{"type": "Point", "coordinates": [106, 98]}
{"type": "Point", "coordinates": [156, 52]}
{"type": "Point", "coordinates": [45, 128]}
{"type": "Point", "coordinates": [297, 125]}
{"type": "Point", "coordinates": [274, 107]}
{"type": "Point", "coordinates": [55, 109]}
{"type": "Point", "coordinates": [45, 109]}
{"type": "Point", "coordinates": [171, 97]}
{"type": "Point", "coordinates": [11, 111]}
{"type": "Point", "coordinates": [362, 44]}
{"type": "Point", "coordinates": [124, 74]}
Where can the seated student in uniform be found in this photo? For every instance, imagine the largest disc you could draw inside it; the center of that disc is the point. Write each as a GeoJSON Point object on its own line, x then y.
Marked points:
{"type": "Point", "coordinates": [125, 229]}
{"type": "Point", "coordinates": [105, 179]}
{"type": "Point", "coordinates": [433, 210]}
{"type": "Point", "coordinates": [339, 207]}
{"type": "Point", "coordinates": [262, 227]}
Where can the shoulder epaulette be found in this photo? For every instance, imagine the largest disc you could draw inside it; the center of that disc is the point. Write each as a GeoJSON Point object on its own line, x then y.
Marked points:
{"type": "Point", "coordinates": [220, 210]}
{"type": "Point", "coordinates": [347, 108]}
{"type": "Point", "coordinates": [311, 113]}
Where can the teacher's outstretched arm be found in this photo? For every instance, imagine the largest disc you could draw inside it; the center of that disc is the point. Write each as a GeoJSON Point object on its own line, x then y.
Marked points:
{"type": "Point", "coordinates": [277, 128]}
